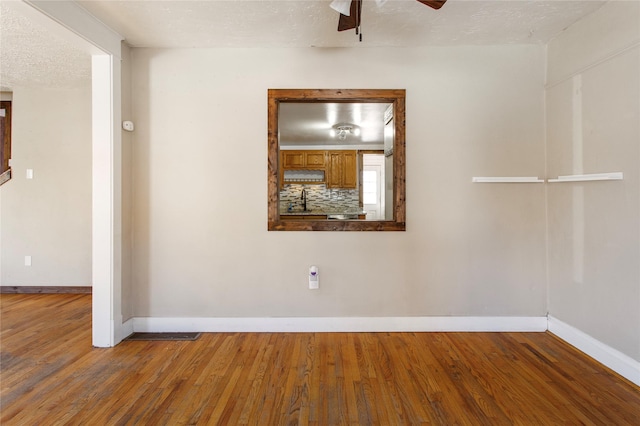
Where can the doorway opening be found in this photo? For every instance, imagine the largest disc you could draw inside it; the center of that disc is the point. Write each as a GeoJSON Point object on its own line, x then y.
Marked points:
{"type": "Point", "coordinates": [373, 187]}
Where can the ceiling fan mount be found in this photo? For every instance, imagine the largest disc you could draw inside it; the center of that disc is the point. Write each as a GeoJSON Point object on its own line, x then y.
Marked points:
{"type": "Point", "coordinates": [351, 12]}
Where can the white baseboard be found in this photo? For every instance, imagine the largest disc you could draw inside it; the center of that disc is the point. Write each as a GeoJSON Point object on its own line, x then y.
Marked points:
{"type": "Point", "coordinates": [127, 329]}
{"type": "Point", "coordinates": [340, 324]}
{"type": "Point", "coordinates": [622, 364]}
{"type": "Point", "coordinates": [612, 358]}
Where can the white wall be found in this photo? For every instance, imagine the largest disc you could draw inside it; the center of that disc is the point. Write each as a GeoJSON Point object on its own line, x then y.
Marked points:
{"type": "Point", "coordinates": [593, 105]}
{"type": "Point", "coordinates": [201, 248]}
{"type": "Point", "coordinates": [48, 217]}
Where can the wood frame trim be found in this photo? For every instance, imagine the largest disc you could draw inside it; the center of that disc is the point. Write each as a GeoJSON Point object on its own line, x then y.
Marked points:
{"type": "Point", "coordinates": [394, 96]}
{"type": "Point", "coordinates": [45, 290]}
{"type": "Point", "coordinates": [5, 168]}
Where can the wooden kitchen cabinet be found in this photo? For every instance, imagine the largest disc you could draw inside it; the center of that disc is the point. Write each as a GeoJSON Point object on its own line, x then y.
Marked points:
{"type": "Point", "coordinates": [342, 171]}
{"type": "Point", "coordinates": [303, 167]}
{"type": "Point", "coordinates": [292, 159]}
{"type": "Point", "coordinates": [315, 159]}
{"type": "Point", "coordinates": [349, 170]}
{"type": "Point", "coordinates": [340, 167]}
{"type": "Point", "coordinates": [334, 172]}
{"type": "Point", "coordinates": [304, 159]}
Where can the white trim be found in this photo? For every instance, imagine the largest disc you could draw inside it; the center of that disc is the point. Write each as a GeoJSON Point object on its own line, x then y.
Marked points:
{"type": "Point", "coordinates": [77, 20]}
{"type": "Point", "coordinates": [106, 201]}
{"type": "Point", "coordinates": [511, 179]}
{"type": "Point", "coordinates": [126, 329]}
{"type": "Point", "coordinates": [610, 357]}
{"type": "Point", "coordinates": [588, 177]}
{"type": "Point", "coordinates": [341, 324]}
{"type": "Point", "coordinates": [104, 44]}
{"type": "Point", "coordinates": [102, 203]}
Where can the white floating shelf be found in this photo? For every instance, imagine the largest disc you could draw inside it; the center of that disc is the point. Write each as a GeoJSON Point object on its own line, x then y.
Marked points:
{"type": "Point", "coordinates": [514, 179]}
{"type": "Point", "coordinates": [589, 177]}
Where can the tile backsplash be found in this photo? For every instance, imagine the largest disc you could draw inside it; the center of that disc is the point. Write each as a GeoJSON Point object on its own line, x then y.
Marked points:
{"type": "Point", "coordinates": [319, 198]}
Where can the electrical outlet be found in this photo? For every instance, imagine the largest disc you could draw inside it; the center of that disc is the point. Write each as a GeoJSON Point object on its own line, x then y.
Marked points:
{"type": "Point", "coordinates": [27, 261]}
{"type": "Point", "coordinates": [314, 278]}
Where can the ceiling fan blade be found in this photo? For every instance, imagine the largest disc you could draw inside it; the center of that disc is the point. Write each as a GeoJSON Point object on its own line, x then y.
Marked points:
{"type": "Point", "coordinates": [353, 20]}
{"type": "Point", "coordinates": [341, 6]}
{"type": "Point", "coordinates": [435, 4]}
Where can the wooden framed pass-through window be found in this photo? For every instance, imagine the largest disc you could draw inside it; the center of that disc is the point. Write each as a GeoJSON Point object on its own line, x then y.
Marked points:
{"type": "Point", "coordinates": [320, 131]}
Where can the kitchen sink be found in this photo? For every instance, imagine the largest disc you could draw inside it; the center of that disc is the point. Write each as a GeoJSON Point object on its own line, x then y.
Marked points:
{"type": "Point", "coordinates": [342, 216]}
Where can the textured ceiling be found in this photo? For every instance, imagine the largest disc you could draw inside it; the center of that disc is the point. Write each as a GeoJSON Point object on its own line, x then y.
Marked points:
{"type": "Point", "coordinates": [304, 23]}
{"type": "Point", "coordinates": [31, 56]}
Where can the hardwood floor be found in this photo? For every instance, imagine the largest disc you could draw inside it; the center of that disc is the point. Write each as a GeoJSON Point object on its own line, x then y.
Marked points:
{"type": "Point", "coordinates": [50, 375]}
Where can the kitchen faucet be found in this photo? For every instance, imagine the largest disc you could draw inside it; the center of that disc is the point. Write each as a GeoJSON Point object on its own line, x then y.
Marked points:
{"type": "Point", "coordinates": [303, 197]}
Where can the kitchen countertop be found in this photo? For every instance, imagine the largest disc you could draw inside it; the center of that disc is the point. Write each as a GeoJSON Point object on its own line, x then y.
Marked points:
{"type": "Point", "coordinates": [319, 213]}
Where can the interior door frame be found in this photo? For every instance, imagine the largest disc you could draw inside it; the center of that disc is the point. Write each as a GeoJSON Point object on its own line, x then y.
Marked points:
{"type": "Point", "coordinates": [75, 25]}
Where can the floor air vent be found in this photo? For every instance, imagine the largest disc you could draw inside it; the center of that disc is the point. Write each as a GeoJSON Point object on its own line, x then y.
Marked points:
{"type": "Point", "coordinates": [163, 336]}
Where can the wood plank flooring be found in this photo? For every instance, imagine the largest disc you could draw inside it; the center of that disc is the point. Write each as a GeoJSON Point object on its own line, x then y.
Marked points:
{"type": "Point", "coordinates": [51, 375]}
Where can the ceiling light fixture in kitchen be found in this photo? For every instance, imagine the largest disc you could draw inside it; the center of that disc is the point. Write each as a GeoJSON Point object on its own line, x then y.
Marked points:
{"type": "Point", "coordinates": [341, 130]}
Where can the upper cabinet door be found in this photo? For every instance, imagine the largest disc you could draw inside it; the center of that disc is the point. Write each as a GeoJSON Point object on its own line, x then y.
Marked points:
{"type": "Point", "coordinates": [334, 175]}
{"type": "Point", "coordinates": [315, 158]}
{"type": "Point", "coordinates": [292, 159]}
{"type": "Point", "coordinates": [343, 170]}
{"type": "Point", "coordinates": [349, 170]}
{"type": "Point", "coordinates": [303, 159]}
